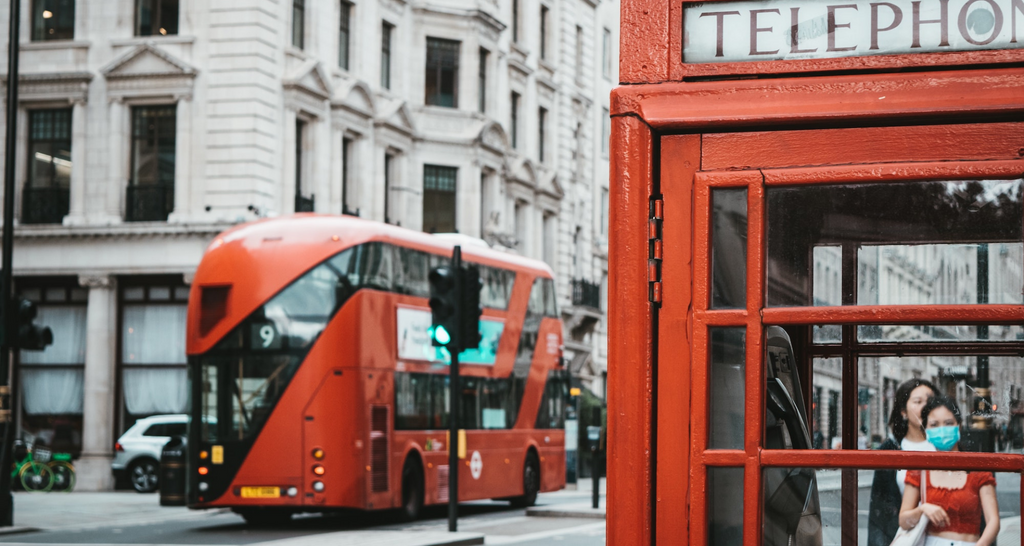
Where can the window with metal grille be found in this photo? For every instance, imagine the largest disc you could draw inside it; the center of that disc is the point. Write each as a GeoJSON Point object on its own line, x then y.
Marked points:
{"type": "Point", "coordinates": [47, 191]}
{"type": "Point", "coordinates": [442, 83]}
{"type": "Point", "coordinates": [151, 187]}
{"type": "Point", "coordinates": [439, 185]}
{"type": "Point", "coordinates": [379, 449]}
{"type": "Point", "coordinates": [53, 20]}
{"type": "Point", "coordinates": [344, 34]}
{"type": "Point", "coordinates": [156, 17]}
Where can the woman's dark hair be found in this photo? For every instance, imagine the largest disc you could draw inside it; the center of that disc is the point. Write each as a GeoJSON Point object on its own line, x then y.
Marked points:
{"type": "Point", "coordinates": [941, 402]}
{"type": "Point", "coordinates": [897, 422]}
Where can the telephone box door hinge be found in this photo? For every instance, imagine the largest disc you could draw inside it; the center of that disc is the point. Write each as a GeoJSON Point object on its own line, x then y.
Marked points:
{"type": "Point", "coordinates": [656, 248]}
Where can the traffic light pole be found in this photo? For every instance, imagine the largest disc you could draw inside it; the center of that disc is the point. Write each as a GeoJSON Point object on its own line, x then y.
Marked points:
{"type": "Point", "coordinates": [6, 288]}
{"type": "Point", "coordinates": [453, 407]}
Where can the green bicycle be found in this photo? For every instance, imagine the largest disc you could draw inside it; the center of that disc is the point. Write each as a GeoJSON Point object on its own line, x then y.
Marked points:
{"type": "Point", "coordinates": [41, 470]}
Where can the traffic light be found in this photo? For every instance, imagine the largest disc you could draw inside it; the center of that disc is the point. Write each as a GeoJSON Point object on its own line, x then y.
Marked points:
{"type": "Point", "coordinates": [443, 328]}
{"type": "Point", "coordinates": [30, 336]}
{"type": "Point", "coordinates": [469, 307]}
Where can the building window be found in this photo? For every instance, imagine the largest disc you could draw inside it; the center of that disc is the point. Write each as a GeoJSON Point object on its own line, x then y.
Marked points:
{"type": "Point", "coordinates": [607, 54]}
{"type": "Point", "coordinates": [385, 55]}
{"type": "Point", "coordinates": [442, 73]}
{"type": "Point", "coordinates": [389, 165]}
{"type": "Point", "coordinates": [579, 53]}
{"type": "Point", "coordinates": [153, 373]}
{"type": "Point", "coordinates": [606, 131]}
{"type": "Point", "coordinates": [482, 77]}
{"type": "Point", "coordinates": [439, 198]}
{"type": "Point", "coordinates": [52, 381]}
{"type": "Point", "coordinates": [156, 17]}
{"type": "Point", "coordinates": [299, 23]}
{"type": "Point", "coordinates": [46, 195]}
{"type": "Point", "coordinates": [542, 127]}
{"type": "Point", "coordinates": [550, 237]}
{"type": "Point", "coordinates": [302, 203]}
{"type": "Point", "coordinates": [53, 20]}
{"type": "Point", "coordinates": [344, 34]}
{"type": "Point", "coordinates": [544, 32]}
{"type": "Point", "coordinates": [346, 168]}
{"type": "Point", "coordinates": [515, 20]}
{"type": "Point", "coordinates": [151, 188]}
{"type": "Point", "coordinates": [515, 120]}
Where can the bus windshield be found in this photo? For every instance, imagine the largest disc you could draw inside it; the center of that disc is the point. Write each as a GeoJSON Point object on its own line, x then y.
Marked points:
{"type": "Point", "coordinates": [243, 376]}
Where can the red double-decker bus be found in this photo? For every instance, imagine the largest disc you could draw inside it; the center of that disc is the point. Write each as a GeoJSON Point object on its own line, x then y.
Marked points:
{"type": "Point", "coordinates": [314, 385]}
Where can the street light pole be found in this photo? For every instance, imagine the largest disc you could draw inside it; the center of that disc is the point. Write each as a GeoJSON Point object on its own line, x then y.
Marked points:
{"type": "Point", "coordinates": [6, 276]}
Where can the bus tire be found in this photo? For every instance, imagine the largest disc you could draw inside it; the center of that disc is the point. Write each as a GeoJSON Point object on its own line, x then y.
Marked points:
{"type": "Point", "coordinates": [531, 482]}
{"type": "Point", "coordinates": [412, 489]}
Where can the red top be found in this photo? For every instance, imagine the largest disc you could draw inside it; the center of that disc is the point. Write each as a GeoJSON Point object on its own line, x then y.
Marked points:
{"type": "Point", "coordinates": [962, 505]}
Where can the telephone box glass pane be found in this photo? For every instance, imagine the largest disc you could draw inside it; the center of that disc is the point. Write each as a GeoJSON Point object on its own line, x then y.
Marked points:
{"type": "Point", "coordinates": [827, 403]}
{"type": "Point", "coordinates": [802, 506]}
{"type": "Point", "coordinates": [938, 333]}
{"type": "Point", "coordinates": [728, 369]}
{"type": "Point", "coordinates": [725, 506]}
{"type": "Point", "coordinates": [729, 248]}
{"type": "Point", "coordinates": [992, 421]}
{"type": "Point", "coordinates": [881, 492]}
{"type": "Point", "coordinates": [895, 243]}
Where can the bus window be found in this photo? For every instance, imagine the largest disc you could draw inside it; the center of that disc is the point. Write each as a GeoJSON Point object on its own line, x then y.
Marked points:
{"type": "Point", "coordinates": [497, 287]}
{"type": "Point", "coordinates": [552, 405]}
{"type": "Point", "coordinates": [411, 273]}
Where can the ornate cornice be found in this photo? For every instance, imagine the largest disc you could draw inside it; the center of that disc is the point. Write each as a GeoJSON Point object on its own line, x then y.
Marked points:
{"type": "Point", "coordinates": [125, 231]}
{"type": "Point", "coordinates": [49, 86]}
{"type": "Point", "coordinates": [97, 281]}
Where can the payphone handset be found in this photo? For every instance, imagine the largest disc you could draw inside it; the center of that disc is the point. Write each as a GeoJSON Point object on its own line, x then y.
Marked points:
{"type": "Point", "coordinates": [791, 508]}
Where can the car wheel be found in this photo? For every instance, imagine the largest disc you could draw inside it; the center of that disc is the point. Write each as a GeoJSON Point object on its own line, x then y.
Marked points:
{"type": "Point", "coordinates": [412, 489]}
{"type": "Point", "coordinates": [144, 475]}
{"type": "Point", "coordinates": [531, 482]}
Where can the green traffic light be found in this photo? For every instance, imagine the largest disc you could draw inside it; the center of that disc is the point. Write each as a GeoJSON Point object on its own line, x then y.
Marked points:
{"type": "Point", "coordinates": [441, 335]}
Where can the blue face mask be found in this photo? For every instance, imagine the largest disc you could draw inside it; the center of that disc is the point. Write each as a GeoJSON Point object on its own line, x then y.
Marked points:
{"type": "Point", "coordinates": [943, 438]}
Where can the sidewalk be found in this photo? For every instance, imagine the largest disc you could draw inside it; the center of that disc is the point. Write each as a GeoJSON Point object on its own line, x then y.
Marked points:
{"type": "Point", "coordinates": [582, 508]}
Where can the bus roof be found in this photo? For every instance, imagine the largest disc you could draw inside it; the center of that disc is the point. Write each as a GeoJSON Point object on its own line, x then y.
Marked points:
{"type": "Point", "coordinates": [256, 260]}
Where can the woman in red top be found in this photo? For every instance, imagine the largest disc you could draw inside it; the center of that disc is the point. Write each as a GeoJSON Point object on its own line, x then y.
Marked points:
{"type": "Point", "coordinates": [955, 499]}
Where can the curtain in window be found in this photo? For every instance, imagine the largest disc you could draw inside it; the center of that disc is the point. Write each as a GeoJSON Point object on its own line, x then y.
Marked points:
{"type": "Point", "coordinates": [48, 391]}
{"type": "Point", "coordinates": [155, 390]}
{"type": "Point", "coordinates": [153, 334]}
{"type": "Point", "coordinates": [52, 391]}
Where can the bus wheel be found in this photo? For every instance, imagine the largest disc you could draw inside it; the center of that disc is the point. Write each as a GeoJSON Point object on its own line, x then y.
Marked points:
{"type": "Point", "coordinates": [264, 517]}
{"type": "Point", "coordinates": [531, 482]}
{"type": "Point", "coordinates": [412, 489]}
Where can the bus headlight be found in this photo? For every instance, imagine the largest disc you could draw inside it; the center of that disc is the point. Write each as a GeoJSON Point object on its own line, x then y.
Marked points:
{"type": "Point", "coordinates": [203, 486]}
{"type": "Point", "coordinates": [292, 491]}
{"type": "Point", "coordinates": [318, 486]}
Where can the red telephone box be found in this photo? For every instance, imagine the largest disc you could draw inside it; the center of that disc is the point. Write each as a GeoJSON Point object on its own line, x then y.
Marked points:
{"type": "Point", "coordinates": [814, 204]}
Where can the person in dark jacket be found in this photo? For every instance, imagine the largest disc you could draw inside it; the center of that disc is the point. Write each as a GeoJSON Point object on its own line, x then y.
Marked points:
{"type": "Point", "coordinates": [908, 435]}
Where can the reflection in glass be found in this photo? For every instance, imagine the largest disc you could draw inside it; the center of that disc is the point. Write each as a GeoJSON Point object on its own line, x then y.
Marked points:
{"type": "Point", "coordinates": [992, 423]}
{"type": "Point", "coordinates": [882, 508]}
{"type": "Point", "coordinates": [725, 506]}
{"type": "Point", "coordinates": [728, 352]}
{"type": "Point", "coordinates": [828, 334]}
{"type": "Point", "coordinates": [800, 510]}
{"type": "Point", "coordinates": [911, 243]}
{"type": "Point", "coordinates": [924, 333]}
{"type": "Point", "coordinates": [729, 248]}
{"type": "Point", "coordinates": [827, 403]}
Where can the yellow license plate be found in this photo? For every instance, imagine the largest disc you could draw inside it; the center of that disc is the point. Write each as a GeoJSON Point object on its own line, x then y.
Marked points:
{"type": "Point", "coordinates": [261, 492]}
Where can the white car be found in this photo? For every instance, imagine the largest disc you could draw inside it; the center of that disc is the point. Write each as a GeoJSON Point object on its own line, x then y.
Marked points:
{"type": "Point", "coordinates": [137, 451]}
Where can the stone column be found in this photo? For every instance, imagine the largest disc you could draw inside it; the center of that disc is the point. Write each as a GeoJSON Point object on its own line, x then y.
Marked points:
{"type": "Point", "coordinates": [118, 166]}
{"type": "Point", "coordinates": [76, 214]}
{"type": "Point", "coordinates": [98, 412]}
{"type": "Point", "coordinates": [289, 183]}
{"type": "Point", "coordinates": [182, 160]}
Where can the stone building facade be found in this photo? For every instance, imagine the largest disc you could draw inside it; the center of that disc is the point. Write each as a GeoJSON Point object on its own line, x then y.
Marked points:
{"type": "Point", "coordinates": [146, 127]}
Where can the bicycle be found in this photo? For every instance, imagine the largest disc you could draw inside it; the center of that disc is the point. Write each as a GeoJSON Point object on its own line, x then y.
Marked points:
{"type": "Point", "coordinates": [41, 470]}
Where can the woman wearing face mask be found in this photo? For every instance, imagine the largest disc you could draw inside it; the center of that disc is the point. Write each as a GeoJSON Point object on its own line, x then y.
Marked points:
{"type": "Point", "coordinates": [908, 435]}
{"type": "Point", "coordinates": [955, 499]}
